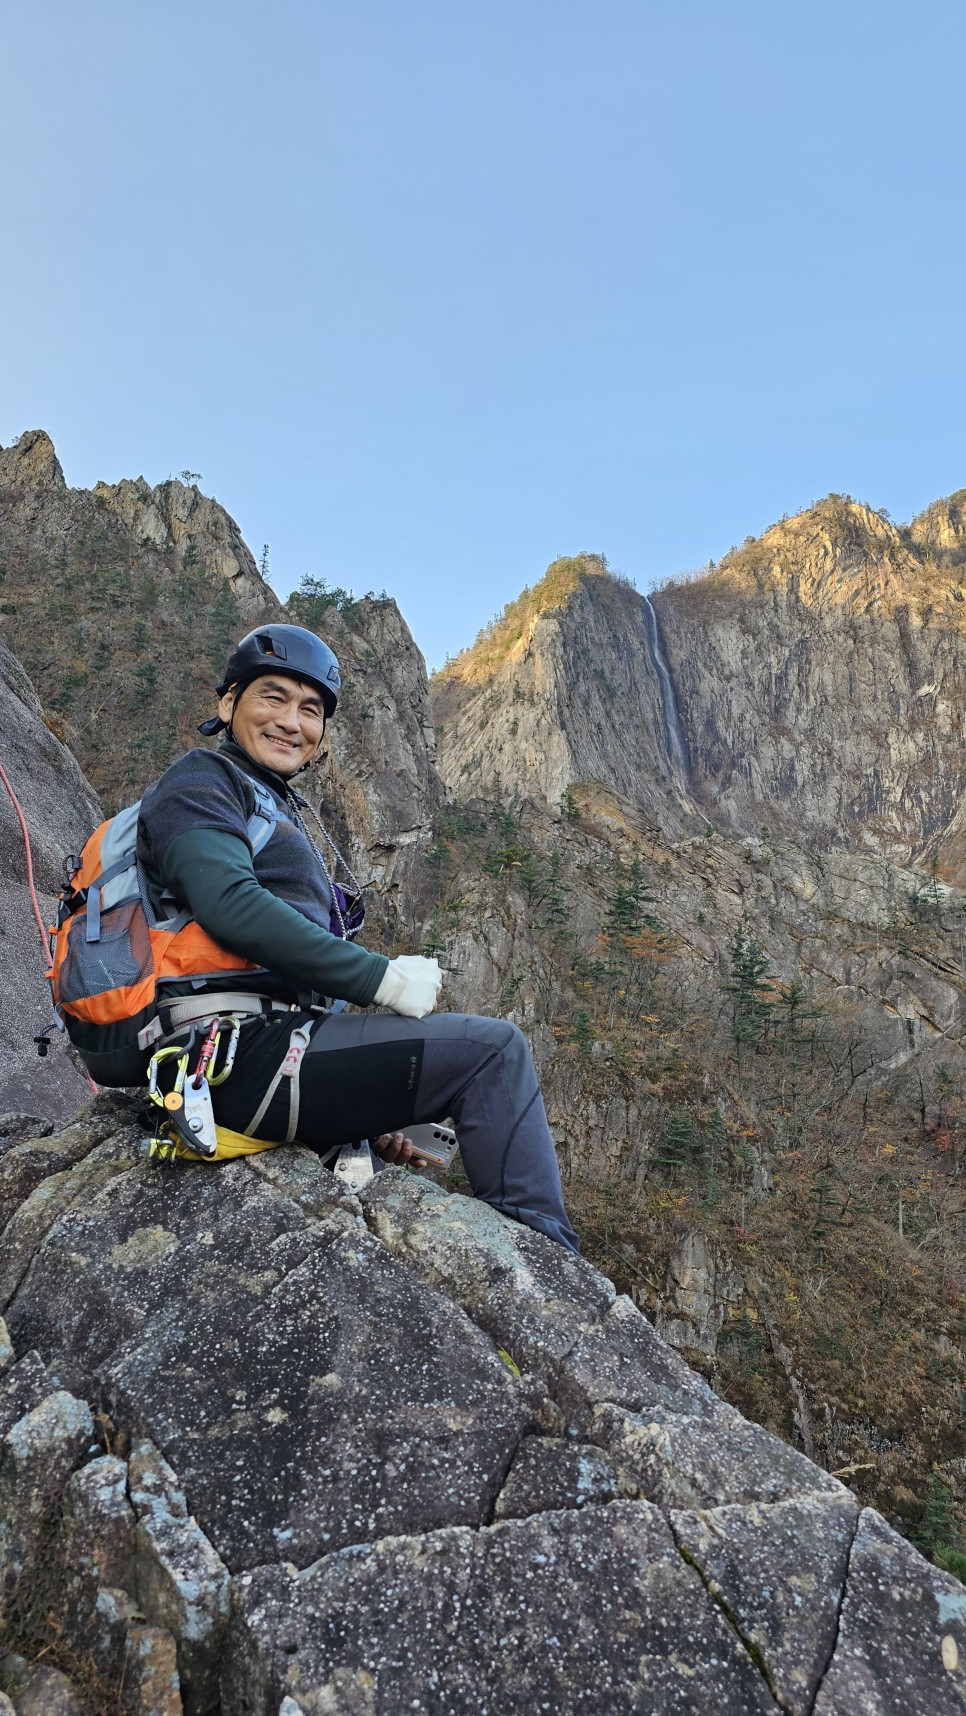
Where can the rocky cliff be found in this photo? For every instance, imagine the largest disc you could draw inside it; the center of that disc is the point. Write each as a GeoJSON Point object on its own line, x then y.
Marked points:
{"type": "Point", "coordinates": [820, 673]}
{"type": "Point", "coordinates": [122, 603]}
{"type": "Point", "coordinates": [565, 688]}
{"type": "Point", "coordinates": [42, 518]}
{"type": "Point", "coordinates": [815, 679]}
{"type": "Point", "coordinates": [271, 1449]}
{"type": "Point", "coordinates": [60, 810]}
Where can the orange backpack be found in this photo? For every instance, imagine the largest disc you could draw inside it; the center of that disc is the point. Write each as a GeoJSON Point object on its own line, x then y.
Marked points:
{"type": "Point", "coordinates": [112, 953]}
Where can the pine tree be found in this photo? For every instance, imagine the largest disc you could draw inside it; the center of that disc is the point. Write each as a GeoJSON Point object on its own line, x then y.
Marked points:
{"type": "Point", "coordinates": [582, 1031]}
{"type": "Point", "coordinates": [626, 915]}
{"type": "Point", "coordinates": [745, 1335]}
{"type": "Point", "coordinates": [555, 903]}
{"type": "Point", "coordinates": [750, 986]}
{"type": "Point", "coordinates": [677, 1142]}
{"type": "Point", "coordinates": [937, 1524]}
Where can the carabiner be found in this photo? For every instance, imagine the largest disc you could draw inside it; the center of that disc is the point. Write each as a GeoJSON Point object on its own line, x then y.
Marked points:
{"type": "Point", "coordinates": [209, 1049]}
{"type": "Point", "coordinates": [234, 1021]}
{"type": "Point", "coordinates": [173, 1051]}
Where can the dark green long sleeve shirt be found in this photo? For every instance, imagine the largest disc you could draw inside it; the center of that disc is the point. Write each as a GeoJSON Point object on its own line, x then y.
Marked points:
{"type": "Point", "coordinates": [272, 908]}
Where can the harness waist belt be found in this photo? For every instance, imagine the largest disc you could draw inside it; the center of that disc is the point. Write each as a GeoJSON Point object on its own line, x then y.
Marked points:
{"type": "Point", "coordinates": [195, 1007]}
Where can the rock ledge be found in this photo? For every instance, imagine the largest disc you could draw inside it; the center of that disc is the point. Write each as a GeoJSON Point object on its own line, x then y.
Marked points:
{"type": "Point", "coordinates": [268, 1448]}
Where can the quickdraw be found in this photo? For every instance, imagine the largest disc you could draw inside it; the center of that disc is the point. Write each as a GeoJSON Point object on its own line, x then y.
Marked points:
{"type": "Point", "coordinates": [187, 1120]}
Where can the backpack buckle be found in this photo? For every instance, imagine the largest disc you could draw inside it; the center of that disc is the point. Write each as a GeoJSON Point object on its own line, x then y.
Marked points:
{"type": "Point", "coordinates": [151, 1033]}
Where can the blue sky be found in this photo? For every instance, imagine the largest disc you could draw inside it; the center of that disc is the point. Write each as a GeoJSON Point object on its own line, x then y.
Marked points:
{"type": "Point", "coordinates": [433, 292]}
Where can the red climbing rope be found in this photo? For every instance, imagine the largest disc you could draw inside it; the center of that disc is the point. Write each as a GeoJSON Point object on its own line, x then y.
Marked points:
{"type": "Point", "coordinates": [30, 868]}
{"type": "Point", "coordinates": [38, 914]}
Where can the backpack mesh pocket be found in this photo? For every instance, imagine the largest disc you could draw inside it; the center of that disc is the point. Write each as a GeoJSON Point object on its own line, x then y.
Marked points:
{"type": "Point", "coordinates": [120, 957]}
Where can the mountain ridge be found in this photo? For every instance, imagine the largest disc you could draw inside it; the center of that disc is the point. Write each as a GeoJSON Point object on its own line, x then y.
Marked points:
{"type": "Point", "coordinates": [841, 552]}
{"type": "Point", "coordinates": [814, 677]}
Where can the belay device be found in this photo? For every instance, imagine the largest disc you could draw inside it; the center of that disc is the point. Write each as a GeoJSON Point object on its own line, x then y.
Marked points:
{"type": "Point", "coordinates": [187, 1120]}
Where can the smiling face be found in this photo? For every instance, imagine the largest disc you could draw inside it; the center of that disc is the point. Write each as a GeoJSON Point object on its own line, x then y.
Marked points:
{"type": "Point", "coordinates": [279, 721]}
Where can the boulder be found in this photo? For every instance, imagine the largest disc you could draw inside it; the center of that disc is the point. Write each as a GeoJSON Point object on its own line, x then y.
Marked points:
{"type": "Point", "coordinates": [397, 1453]}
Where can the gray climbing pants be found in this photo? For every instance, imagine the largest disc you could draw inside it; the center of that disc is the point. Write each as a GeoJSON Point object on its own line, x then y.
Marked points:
{"type": "Point", "coordinates": [364, 1074]}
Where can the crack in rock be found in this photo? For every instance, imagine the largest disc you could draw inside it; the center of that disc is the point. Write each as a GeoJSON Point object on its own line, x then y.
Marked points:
{"type": "Point", "coordinates": [778, 1570]}
{"type": "Point", "coordinates": [593, 1610]}
{"type": "Point", "coordinates": [838, 1614]}
{"type": "Point", "coordinates": [901, 1645]}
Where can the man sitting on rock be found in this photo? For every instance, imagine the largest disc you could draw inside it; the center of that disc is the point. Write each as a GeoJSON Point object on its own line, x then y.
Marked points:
{"type": "Point", "coordinates": [282, 908]}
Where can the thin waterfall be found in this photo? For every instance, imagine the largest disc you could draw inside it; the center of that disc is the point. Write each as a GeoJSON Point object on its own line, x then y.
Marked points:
{"type": "Point", "coordinates": [677, 744]}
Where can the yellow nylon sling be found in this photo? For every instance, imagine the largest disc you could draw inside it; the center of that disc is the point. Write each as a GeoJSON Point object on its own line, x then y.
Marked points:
{"type": "Point", "coordinates": [229, 1144]}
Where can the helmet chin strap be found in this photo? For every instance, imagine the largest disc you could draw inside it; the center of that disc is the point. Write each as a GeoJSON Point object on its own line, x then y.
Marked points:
{"type": "Point", "coordinates": [217, 724]}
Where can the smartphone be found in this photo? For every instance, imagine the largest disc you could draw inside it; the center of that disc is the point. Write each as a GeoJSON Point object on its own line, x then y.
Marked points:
{"type": "Point", "coordinates": [437, 1143]}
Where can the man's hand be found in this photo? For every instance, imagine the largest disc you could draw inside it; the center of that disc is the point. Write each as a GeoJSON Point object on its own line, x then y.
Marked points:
{"type": "Point", "coordinates": [396, 1147]}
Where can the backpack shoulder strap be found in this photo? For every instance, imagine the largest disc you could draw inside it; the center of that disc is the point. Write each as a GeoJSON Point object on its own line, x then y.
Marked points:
{"type": "Point", "coordinates": [268, 812]}
{"type": "Point", "coordinates": [117, 878]}
{"type": "Point", "coordinates": [264, 818]}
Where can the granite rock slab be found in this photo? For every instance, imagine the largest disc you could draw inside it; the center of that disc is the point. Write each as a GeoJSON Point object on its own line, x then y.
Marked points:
{"type": "Point", "coordinates": [685, 1461]}
{"type": "Point", "coordinates": [593, 1612]}
{"type": "Point", "coordinates": [779, 1571]}
{"type": "Point", "coordinates": [902, 1633]}
{"type": "Point", "coordinates": [308, 1389]}
{"type": "Point", "coordinates": [551, 1472]}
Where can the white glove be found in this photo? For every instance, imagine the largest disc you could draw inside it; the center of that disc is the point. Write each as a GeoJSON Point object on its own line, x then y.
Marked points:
{"type": "Point", "coordinates": [410, 985]}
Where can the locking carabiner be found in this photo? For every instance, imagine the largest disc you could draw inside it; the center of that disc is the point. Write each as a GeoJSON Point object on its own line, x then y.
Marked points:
{"type": "Point", "coordinates": [173, 1052]}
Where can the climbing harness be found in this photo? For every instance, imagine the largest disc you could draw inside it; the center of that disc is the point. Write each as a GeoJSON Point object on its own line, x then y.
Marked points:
{"type": "Point", "coordinates": [290, 1068]}
{"type": "Point", "coordinates": [186, 1127]}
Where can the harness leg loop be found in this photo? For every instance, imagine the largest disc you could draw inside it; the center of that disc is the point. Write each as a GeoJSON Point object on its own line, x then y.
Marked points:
{"type": "Point", "coordinates": [290, 1069]}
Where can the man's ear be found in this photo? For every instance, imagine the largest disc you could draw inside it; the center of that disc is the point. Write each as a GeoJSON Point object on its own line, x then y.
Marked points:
{"type": "Point", "coordinates": [226, 704]}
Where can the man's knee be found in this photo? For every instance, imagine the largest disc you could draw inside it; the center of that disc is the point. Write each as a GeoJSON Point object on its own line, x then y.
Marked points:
{"type": "Point", "coordinates": [512, 1048]}
{"type": "Point", "coordinates": [504, 1038]}
{"type": "Point", "coordinates": [503, 1035]}
{"type": "Point", "coordinates": [516, 1042]}
{"type": "Point", "coordinates": [465, 1045]}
